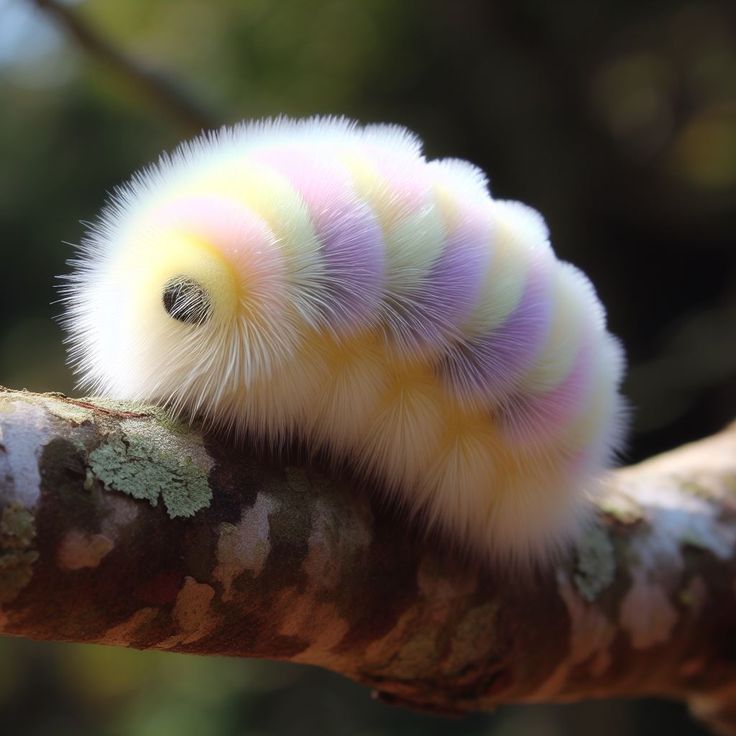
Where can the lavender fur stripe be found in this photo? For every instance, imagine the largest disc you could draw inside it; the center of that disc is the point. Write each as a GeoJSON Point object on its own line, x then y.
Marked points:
{"type": "Point", "coordinates": [352, 248]}
{"type": "Point", "coordinates": [493, 363]}
{"type": "Point", "coordinates": [526, 417]}
{"type": "Point", "coordinates": [452, 287]}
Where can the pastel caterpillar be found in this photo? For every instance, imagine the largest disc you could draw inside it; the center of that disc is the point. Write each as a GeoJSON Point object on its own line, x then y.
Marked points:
{"type": "Point", "coordinates": [321, 280]}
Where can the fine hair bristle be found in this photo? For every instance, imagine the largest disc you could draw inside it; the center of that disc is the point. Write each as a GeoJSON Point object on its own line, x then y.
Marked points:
{"type": "Point", "coordinates": [321, 281]}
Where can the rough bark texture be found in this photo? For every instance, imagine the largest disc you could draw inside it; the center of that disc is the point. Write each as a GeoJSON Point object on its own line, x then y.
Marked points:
{"type": "Point", "coordinates": [119, 526]}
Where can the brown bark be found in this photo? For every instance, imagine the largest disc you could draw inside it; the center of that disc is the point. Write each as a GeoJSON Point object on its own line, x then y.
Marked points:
{"type": "Point", "coordinates": [121, 527]}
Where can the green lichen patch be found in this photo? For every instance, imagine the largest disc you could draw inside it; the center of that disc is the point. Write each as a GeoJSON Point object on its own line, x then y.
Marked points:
{"type": "Point", "coordinates": [622, 509]}
{"type": "Point", "coordinates": [115, 405]}
{"type": "Point", "coordinates": [596, 563]}
{"type": "Point", "coordinates": [693, 488]}
{"type": "Point", "coordinates": [69, 411]}
{"type": "Point", "coordinates": [127, 409]}
{"type": "Point", "coordinates": [145, 470]}
{"type": "Point", "coordinates": [7, 407]}
{"type": "Point", "coordinates": [167, 421]}
{"type": "Point", "coordinates": [17, 555]}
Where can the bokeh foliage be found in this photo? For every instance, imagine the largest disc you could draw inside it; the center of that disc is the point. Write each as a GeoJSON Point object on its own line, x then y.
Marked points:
{"type": "Point", "coordinates": [616, 119]}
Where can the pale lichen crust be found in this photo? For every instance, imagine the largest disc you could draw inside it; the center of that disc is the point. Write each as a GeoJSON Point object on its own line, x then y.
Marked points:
{"type": "Point", "coordinates": [596, 563]}
{"type": "Point", "coordinates": [135, 465]}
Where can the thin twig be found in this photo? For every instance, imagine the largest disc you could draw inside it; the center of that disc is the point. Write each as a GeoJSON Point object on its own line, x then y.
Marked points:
{"type": "Point", "coordinates": [159, 89]}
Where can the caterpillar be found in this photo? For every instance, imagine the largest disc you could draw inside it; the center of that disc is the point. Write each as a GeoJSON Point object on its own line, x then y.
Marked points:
{"type": "Point", "coordinates": [323, 281]}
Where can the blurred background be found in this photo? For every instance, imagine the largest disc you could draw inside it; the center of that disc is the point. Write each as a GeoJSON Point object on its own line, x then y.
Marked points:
{"type": "Point", "coordinates": [616, 119]}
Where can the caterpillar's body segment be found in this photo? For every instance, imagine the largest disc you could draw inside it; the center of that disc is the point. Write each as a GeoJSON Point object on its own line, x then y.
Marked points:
{"type": "Point", "coordinates": [323, 280]}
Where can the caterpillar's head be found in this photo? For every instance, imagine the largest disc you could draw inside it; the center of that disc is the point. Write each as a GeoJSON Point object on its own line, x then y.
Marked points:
{"type": "Point", "coordinates": [180, 305]}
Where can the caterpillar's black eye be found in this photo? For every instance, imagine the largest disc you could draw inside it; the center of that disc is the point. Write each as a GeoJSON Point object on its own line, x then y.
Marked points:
{"type": "Point", "coordinates": [184, 299]}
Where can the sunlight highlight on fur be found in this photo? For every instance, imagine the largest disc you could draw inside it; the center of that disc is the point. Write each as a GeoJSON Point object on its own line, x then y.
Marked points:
{"type": "Point", "coordinates": [320, 280]}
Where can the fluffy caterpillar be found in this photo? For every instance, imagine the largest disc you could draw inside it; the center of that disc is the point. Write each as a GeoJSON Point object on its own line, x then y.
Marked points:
{"type": "Point", "coordinates": [323, 281]}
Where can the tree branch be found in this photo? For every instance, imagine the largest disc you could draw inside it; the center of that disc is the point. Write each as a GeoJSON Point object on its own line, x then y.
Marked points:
{"type": "Point", "coordinates": [154, 86]}
{"type": "Point", "coordinates": [121, 527]}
